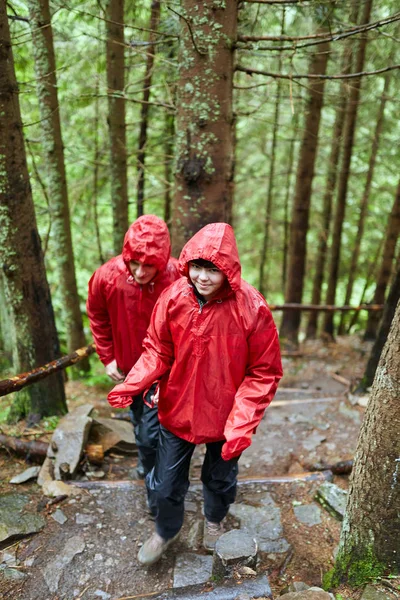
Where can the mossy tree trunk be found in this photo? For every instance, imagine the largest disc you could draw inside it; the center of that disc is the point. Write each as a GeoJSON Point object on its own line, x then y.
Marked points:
{"type": "Point", "coordinates": [348, 142]}
{"type": "Point", "coordinates": [386, 267]}
{"type": "Point", "coordinates": [26, 290]}
{"type": "Point", "coordinates": [115, 58]}
{"type": "Point", "coordinates": [204, 139]}
{"type": "Point", "coordinates": [45, 68]}
{"type": "Point", "coordinates": [369, 544]}
{"type": "Point", "coordinates": [144, 112]}
{"type": "Point", "coordinates": [302, 197]}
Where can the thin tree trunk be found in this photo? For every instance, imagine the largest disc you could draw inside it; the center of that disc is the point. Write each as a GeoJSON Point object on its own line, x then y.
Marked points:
{"type": "Point", "coordinates": [301, 203]}
{"type": "Point", "coordinates": [168, 175]}
{"type": "Point", "coordinates": [26, 290]}
{"type": "Point", "coordinates": [116, 120]}
{"type": "Point", "coordinates": [96, 160]}
{"type": "Point", "coordinates": [369, 544]}
{"type": "Point", "coordinates": [348, 141]}
{"type": "Point", "coordinates": [364, 200]}
{"type": "Point", "coordinates": [45, 68]}
{"type": "Point", "coordinates": [144, 115]}
{"type": "Point", "coordinates": [391, 236]}
{"type": "Point", "coordinates": [286, 203]}
{"type": "Point", "coordinates": [205, 148]}
{"type": "Point", "coordinates": [263, 277]}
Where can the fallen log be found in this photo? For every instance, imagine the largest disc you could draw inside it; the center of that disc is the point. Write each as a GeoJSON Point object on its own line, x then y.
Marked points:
{"type": "Point", "coordinates": [7, 386]}
{"type": "Point", "coordinates": [343, 467]}
{"type": "Point", "coordinates": [31, 450]}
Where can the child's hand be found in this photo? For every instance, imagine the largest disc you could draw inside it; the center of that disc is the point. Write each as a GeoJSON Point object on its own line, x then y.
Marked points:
{"type": "Point", "coordinates": [155, 397]}
{"type": "Point", "coordinates": [113, 372]}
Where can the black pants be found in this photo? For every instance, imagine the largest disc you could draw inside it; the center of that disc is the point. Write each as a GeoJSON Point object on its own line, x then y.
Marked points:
{"type": "Point", "coordinates": [168, 482]}
{"type": "Point", "coordinates": [146, 428]}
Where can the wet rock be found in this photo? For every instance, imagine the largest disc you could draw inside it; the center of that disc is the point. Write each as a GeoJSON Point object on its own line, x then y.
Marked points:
{"type": "Point", "coordinates": [372, 593]}
{"type": "Point", "coordinates": [54, 569]}
{"type": "Point", "coordinates": [59, 516]}
{"type": "Point", "coordinates": [263, 523]}
{"type": "Point", "coordinates": [8, 558]}
{"type": "Point", "coordinates": [12, 574]}
{"type": "Point", "coordinates": [191, 569]}
{"type": "Point", "coordinates": [233, 550]}
{"type": "Point", "coordinates": [333, 499]}
{"type": "Point", "coordinates": [26, 475]}
{"type": "Point", "coordinates": [309, 514]}
{"type": "Point", "coordinates": [15, 522]}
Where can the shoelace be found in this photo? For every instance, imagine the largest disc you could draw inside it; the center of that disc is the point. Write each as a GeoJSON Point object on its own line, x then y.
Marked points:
{"type": "Point", "coordinates": [213, 528]}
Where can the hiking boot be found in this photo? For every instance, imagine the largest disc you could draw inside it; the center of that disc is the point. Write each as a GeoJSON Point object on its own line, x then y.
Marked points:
{"type": "Point", "coordinates": [212, 531]}
{"type": "Point", "coordinates": [153, 549]}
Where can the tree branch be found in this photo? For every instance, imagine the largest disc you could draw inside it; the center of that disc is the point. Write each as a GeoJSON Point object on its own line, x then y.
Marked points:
{"type": "Point", "coordinates": [315, 76]}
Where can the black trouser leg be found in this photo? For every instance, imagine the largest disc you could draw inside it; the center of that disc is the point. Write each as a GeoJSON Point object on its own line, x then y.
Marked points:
{"type": "Point", "coordinates": [168, 483]}
{"type": "Point", "coordinates": [219, 479]}
{"type": "Point", "coordinates": [146, 428]}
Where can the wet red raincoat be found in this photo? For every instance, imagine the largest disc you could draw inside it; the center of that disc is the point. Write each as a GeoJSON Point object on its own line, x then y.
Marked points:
{"type": "Point", "coordinates": [220, 364]}
{"type": "Point", "coordinates": [119, 309]}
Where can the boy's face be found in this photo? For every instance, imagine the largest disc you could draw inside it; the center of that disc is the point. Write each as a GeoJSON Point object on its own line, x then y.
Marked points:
{"type": "Point", "coordinates": [207, 280]}
{"type": "Point", "coordinates": [141, 272]}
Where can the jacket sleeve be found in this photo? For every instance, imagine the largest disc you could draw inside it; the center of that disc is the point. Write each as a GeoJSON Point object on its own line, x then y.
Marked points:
{"type": "Point", "coordinates": [100, 323]}
{"type": "Point", "coordinates": [258, 387]}
{"type": "Point", "coordinates": [155, 360]}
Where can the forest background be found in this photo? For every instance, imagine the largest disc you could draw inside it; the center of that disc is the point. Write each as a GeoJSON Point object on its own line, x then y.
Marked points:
{"type": "Point", "coordinates": [314, 147]}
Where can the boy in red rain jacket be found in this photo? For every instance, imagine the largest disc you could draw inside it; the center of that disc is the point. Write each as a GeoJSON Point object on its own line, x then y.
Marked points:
{"type": "Point", "coordinates": [122, 295]}
{"type": "Point", "coordinates": [213, 343]}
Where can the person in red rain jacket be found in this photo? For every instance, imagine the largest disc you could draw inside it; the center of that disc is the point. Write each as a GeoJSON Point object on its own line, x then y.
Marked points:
{"type": "Point", "coordinates": [214, 345]}
{"type": "Point", "coordinates": [122, 295]}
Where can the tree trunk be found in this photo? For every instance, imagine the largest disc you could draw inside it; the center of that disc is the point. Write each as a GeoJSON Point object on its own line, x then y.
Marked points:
{"type": "Point", "coordinates": [263, 278]}
{"type": "Point", "coordinates": [364, 200]}
{"type": "Point", "coordinates": [384, 327]}
{"type": "Point", "coordinates": [286, 203]}
{"type": "Point", "coordinates": [369, 544]}
{"type": "Point", "coordinates": [301, 203]}
{"type": "Point", "coordinates": [144, 114]}
{"type": "Point", "coordinates": [205, 148]}
{"type": "Point", "coordinates": [168, 172]}
{"type": "Point", "coordinates": [348, 141]}
{"type": "Point", "coordinates": [26, 290]}
{"type": "Point", "coordinates": [391, 237]}
{"type": "Point", "coordinates": [116, 120]}
{"type": "Point", "coordinates": [45, 68]}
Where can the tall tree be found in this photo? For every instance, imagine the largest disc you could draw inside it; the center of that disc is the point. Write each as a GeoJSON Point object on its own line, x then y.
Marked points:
{"type": "Point", "coordinates": [115, 57]}
{"type": "Point", "coordinates": [204, 139]}
{"type": "Point", "coordinates": [391, 236]}
{"type": "Point", "coordinates": [369, 544]}
{"type": "Point", "coordinates": [302, 196]}
{"type": "Point", "coordinates": [144, 113]}
{"type": "Point", "coordinates": [45, 68]}
{"type": "Point", "coordinates": [364, 198]}
{"type": "Point", "coordinates": [23, 275]}
{"type": "Point", "coordinates": [348, 141]}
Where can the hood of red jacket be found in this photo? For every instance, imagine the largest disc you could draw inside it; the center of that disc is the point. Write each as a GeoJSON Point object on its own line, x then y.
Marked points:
{"type": "Point", "coordinates": [215, 242]}
{"type": "Point", "coordinates": [147, 240]}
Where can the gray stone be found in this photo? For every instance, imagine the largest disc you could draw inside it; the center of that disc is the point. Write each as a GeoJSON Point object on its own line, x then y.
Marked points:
{"type": "Point", "coordinates": [8, 558]}
{"type": "Point", "coordinates": [54, 569]}
{"type": "Point", "coordinates": [333, 498]}
{"type": "Point", "coordinates": [84, 519]}
{"type": "Point", "coordinates": [372, 593]}
{"type": "Point", "coordinates": [26, 475]}
{"type": "Point", "coordinates": [308, 594]}
{"type": "Point", "coordinates": [191, 569]}
{"type": "Point", "coordinates": [352, 414]}
{"type": "Point", "coordinates": [195, 535]}
{"type": "Point", "coordinates": [114, 433]}
{"type": "Point", "coordinates": [309, 514]}
{"type": "Point", "coordinates": [15, 522]}
{"type": "Point", "coordinates": [12, 574]}
{"type": "Point", "coordinates": [313, 441]}
{"type": "Point", "coordinates": [263, 523]}
{"type": "Point", "coordinates": [59, 516]}
{"type": "Point", "coordinates": [102, 595]}
{"type": "Point", "coordinates": [233, 550]}
{"type": "Point", "coordinates": [69, 439]}
{"type": "Point", "coordinates": [296, 586]}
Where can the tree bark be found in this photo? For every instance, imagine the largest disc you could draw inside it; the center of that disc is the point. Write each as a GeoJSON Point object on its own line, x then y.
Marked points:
{"type": "Point", "coordinates": [391, 237]}
{"type": "Point", "coordinates": [348, 141]}
{"type": "Point", "coordinates": [369, 544]}
{"type": "Point", "coordinates": [365, 197]}
{"type": "Point", "coordinates": [286, 203]}
{"type": "Point", "coordinates": [302, 198]}
{"type": "Point", "coordinates": [168, 171]}
{"type": "Point", "coordinates": [115, 57]}
{"type": "Point", "coordinates": [26, 290]}
{"type": "Point", "coordinates": [144, 114]}
{"type": "Point", "coordinates": [204, 140]}
{"type": "Point", "coordinates": [45, 69]}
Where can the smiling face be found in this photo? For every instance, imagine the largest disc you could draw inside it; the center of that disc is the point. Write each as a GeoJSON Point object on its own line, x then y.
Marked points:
{"type": "Point", "coordinates": [142, 273]}
{"type": "Point", "coordinates": [207, 280]}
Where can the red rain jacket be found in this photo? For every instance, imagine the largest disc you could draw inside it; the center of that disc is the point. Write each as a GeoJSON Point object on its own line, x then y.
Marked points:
{"type": "Point", "coordinates": [219, 365]}
{"type": "Point", "coordinates": [119, 309]}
